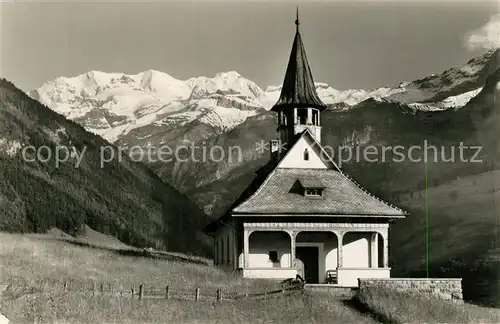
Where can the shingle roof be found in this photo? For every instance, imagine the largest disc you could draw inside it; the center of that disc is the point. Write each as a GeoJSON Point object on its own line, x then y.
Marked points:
{"type": "Point", "coordinates": [341, 196]}
{"type": "Point", "coordinates": [298, 87]}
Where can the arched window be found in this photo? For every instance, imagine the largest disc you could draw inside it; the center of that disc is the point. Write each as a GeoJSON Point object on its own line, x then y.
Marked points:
{"type": "Point", "coordinates": [306, 155]}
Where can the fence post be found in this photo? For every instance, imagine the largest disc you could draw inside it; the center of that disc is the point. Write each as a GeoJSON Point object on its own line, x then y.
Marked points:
{"type": "Point", "coordinates": [65, 286]}
{"type": "Point", "coordinates": [166, 292]}
{"type": "Point", "coordinates": [141, 292]}
{"type": "Point", "coordinates": [133, 288]}
{"type": "Point", "coordinates": [197, 296]}
{"type": "Point", "coordinates": [102, 289]}
{"type": "Point", "coordinates": [219, 294]}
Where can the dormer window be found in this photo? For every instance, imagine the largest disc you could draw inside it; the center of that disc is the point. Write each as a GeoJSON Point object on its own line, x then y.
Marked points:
{"type": "Point", "coordinates": [313, 192]}
{"type": "Point", "coordinates": [311, 187]}
{"type": "Point", "coordinates": [306, 155]}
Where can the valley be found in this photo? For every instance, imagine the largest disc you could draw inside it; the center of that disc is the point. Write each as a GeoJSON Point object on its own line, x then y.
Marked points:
{"type": "Point", "coordinates": [456, 106]}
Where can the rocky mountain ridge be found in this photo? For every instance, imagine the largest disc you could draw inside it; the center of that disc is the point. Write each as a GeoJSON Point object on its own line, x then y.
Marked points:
{"type": "Point", "coordinates": [152, 107]}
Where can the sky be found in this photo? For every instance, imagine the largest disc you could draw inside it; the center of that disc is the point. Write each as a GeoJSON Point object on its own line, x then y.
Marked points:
{"type": "Point", "coordinates": [355, 44]}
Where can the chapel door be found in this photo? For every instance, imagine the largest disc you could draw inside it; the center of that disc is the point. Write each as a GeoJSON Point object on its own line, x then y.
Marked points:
{"type": "Point", "coordinates": [310, 258]}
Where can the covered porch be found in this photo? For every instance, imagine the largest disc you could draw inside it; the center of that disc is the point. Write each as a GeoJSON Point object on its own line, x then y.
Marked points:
{"type": "Point", "coordinates": [321, 253]}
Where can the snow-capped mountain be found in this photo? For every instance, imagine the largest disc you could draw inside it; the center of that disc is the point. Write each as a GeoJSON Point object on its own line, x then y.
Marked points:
{"type": "Point", "coordinates": [154, 105]}
{"type": "Point", "coordinates": [114, 104]}
{"type": "Point", "coordinates": [449, 85]}
{"type": "Point", "coordinates": [336, 98]}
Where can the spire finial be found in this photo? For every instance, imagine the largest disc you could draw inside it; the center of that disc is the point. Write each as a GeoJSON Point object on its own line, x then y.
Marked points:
{"type": "Point", "coordinates": [297, 20]}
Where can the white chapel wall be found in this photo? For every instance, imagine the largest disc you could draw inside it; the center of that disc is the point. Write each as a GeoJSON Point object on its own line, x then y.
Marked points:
{"type": "Point", "coordinates": [263, 242]}
{"type": "Point", "coordinates": [356, 250]}
{"type": "Point", "coordinates": [295, 157]}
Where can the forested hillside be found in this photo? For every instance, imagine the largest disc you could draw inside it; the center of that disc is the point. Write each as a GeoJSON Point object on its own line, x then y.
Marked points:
{"type": "Point", "coordinates": [121, 198]}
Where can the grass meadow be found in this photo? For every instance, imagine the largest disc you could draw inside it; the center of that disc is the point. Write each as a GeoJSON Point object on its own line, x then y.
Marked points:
{"type": "Point", "coordinates": [26, 261]}
{"type": "Point", "coordinates": [400, 307]}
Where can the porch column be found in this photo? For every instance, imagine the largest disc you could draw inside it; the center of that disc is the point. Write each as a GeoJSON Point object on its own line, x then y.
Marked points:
{"type": "Point", "coordinates": [385, 238]}
{"type": "Point", "coordinates": [309, 116]}
{"type": "Point", "coordinates": [293, 239]}
{"type": "Point", "coordinates": [246, 248]}
{"type": "Point", "coordinates": [374, 250]}
{"type": "Point", "coordinates": [386, 252]}
{"type": "Point", "coordinates": [340, 253]}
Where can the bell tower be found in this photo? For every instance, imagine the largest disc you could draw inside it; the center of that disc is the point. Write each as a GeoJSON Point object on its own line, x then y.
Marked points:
{"type": "Point", "coordinates": [299, 106]}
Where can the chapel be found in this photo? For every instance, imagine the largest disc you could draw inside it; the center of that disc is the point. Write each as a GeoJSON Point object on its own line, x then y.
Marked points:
{"type": "Point", "coordinates": [302, 214]}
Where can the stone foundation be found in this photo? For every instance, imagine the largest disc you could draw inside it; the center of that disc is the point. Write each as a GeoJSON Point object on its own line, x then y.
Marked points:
{"type": "Point", "coordinates": [444, 288]}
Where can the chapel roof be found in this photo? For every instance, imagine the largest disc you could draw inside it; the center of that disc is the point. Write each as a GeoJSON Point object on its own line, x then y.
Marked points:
{"type": "Point", "coordinates": [298, 86]}
{"type": "Point", "coordinates": [341, 196]}
{"type": "Point", "coordinates": [273, 192]}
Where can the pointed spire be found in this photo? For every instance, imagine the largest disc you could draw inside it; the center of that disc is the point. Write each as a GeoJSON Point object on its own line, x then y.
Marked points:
{"type": "Point", "coordinates": [297, 22]}
{"type": "Point", "coordinates": [298, 87]}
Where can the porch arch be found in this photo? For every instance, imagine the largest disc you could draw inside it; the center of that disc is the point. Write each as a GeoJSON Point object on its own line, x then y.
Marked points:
{"type": "Point", "coordinates": [364, 249]}
{"type": "Point", "coordinates": [322, 243]}
{"type": "Point", "coordinates": [268, 249]}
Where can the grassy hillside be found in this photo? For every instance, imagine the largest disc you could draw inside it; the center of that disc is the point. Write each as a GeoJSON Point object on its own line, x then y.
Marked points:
{"type": "Point", "coordinates": [464, 235]}
{"type": "Point", "coordinates": [390, 306]}
{"type": "Point", "coordinates": [26, 260]}
{"type": "Point", "coordinates": [121, 198]}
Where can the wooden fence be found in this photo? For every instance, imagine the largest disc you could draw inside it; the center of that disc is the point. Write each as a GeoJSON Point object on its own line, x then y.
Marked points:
{"type": "Point", "coordinates": [166, 292]}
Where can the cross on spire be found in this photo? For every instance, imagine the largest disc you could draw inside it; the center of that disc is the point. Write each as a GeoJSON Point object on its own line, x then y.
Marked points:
{"type": "Point", "coordinates": [297, 22]}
